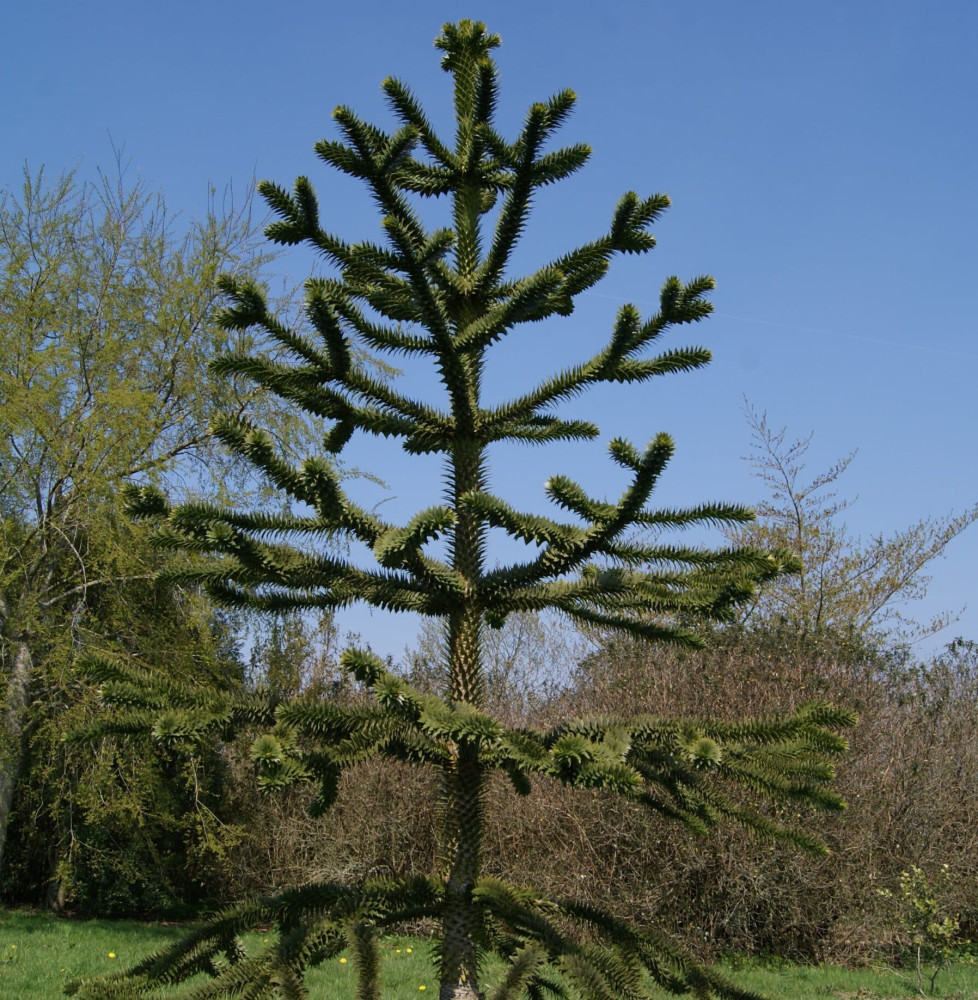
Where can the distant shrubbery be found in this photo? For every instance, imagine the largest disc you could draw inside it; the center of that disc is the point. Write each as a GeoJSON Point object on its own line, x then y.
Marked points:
{"type": "Point", "coordinates": [909, 781]}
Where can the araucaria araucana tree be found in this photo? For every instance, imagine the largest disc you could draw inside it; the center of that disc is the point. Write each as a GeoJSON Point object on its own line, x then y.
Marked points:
{"type": "Point", "coordinates": [448, 295]}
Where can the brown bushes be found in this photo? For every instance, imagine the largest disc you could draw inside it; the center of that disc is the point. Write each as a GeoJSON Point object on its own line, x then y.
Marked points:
{"type": "Point", "coordinates": [911, 781]}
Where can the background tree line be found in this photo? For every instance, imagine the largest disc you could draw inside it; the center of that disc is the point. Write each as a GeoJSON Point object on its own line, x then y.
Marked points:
{"type": "Point", "coordinates": [909, 781]}
{"type": "Point", "coordinates": [107, 305]}
{"type": "Point", "coordinates": [107, 326]}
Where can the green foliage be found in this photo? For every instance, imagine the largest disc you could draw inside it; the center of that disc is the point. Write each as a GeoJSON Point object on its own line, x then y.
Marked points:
{"type": "Point", "coordinates": [934, 934]}
{"type": "Point", "coordinates": [290, 655]}
{"type": "Point", "coordinates": [108, 828]}
{"type": "Point", "coordinates": [117, 303]}
{"type": "Point", "coordinates": [447, 296]}
{"type": "Point", "coordinates": [107, 329]}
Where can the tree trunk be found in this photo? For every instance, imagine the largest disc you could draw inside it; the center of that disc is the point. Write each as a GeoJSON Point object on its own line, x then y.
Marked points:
{"type": "Point", "coordinates": [461, 920]}
{"type": "Point", "coordinates": [14, 717]}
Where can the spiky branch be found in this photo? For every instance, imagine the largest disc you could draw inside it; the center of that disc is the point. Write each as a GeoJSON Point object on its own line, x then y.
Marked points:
{"type": "Point", "coordinates": [448, 295]}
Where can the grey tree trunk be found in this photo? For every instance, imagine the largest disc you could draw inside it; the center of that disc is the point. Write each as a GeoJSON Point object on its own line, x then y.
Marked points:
{"type": "Point", "coordinates": [14, 717]}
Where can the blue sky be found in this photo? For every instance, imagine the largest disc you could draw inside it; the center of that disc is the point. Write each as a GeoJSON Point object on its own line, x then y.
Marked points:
{"type": "Point", "coordinates": [821, 159]}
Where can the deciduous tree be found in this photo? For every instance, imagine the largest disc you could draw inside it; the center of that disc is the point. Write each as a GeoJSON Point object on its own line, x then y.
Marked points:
{"type": "Point", "coordinates": [107, 325]}
{"type": "Point", "coordinates": [863, 589]}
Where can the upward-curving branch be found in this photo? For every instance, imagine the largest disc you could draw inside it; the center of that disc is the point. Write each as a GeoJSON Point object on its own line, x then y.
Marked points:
{"type": "Point", "coordinates": [448, 295]}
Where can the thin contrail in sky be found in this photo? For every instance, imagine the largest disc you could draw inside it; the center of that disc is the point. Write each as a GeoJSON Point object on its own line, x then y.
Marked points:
{"type": "Point", "coordinates": [848, 336]}
{"type": "Point", "coordinates": [803, 329]}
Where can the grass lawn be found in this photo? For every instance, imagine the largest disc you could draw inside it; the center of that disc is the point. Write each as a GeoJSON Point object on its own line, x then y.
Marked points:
{"type": "Point", "coordinates": [39, 954]}
{"type": "Point", "coordinates": [819, 982]}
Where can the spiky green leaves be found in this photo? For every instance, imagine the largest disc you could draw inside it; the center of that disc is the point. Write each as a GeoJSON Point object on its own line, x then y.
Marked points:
{"type": "Point", "coordinates": [642, 589]}
{"type": "Point", "coordinates": [447, 296]}
{"type": "Point", "coordinates": [454, 314]}
{"type": "Point", "coordinates": [564, 949]}
{"type": "Point", "coordinates": [465, 43]}
{"type": "Point", "coordinates": [699, 773]}
{"type": "Point", "coordinates": [689, 771]}
{"type": "Point", "coordinates": [307, 927]}
{"type": "Point", "coordinates": [695, 772]}
{"type": "Point", "coordinates": [397, 547]}
{"type": "Point", "coordinates": [540, 939]}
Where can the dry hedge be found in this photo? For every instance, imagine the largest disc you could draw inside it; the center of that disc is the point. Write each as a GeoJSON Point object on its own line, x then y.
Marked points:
{"type": "Point", "coordinates": [911, 781]}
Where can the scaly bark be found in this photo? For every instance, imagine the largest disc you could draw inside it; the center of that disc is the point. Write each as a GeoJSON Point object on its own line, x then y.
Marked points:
{"type": "Point", "coordinates": [461, 919]}
{"type": "Point", "coordinates": [464, 781]}
{"type": "Point", "coordinates": [461, 930]}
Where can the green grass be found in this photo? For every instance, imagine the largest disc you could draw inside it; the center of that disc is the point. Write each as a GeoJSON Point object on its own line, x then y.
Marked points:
{"type": "Point", "coordinates": [819, 982]}
{"type": "Point", "coordinates": [39, 954]}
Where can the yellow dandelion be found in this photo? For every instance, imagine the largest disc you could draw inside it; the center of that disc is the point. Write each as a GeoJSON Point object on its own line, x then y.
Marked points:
{"type": "Point", "coordinates": [408, 950]}
{"type": "Point", "coordinates": [398, 950]}
{"type": "Point", "coordinates": [13, 947]}
{"type": "Point", "coordinates": [342, 961]}
{"type": "Point", "coordinates": [422, 987]}
{"type": "Point", "coordinates": [111, 954]}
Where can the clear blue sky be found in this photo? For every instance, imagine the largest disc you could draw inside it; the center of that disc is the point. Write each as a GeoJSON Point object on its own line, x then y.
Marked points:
{"type": "Point", "coordinates": [821, 157]}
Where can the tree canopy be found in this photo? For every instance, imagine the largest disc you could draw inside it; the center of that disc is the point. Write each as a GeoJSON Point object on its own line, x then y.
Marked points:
{"type": "Point", "coordinates": [108, 322]}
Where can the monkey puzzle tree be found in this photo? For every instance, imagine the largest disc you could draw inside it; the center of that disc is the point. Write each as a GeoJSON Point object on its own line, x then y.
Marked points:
{"type": "Point", "coordinates": [447, 295]}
